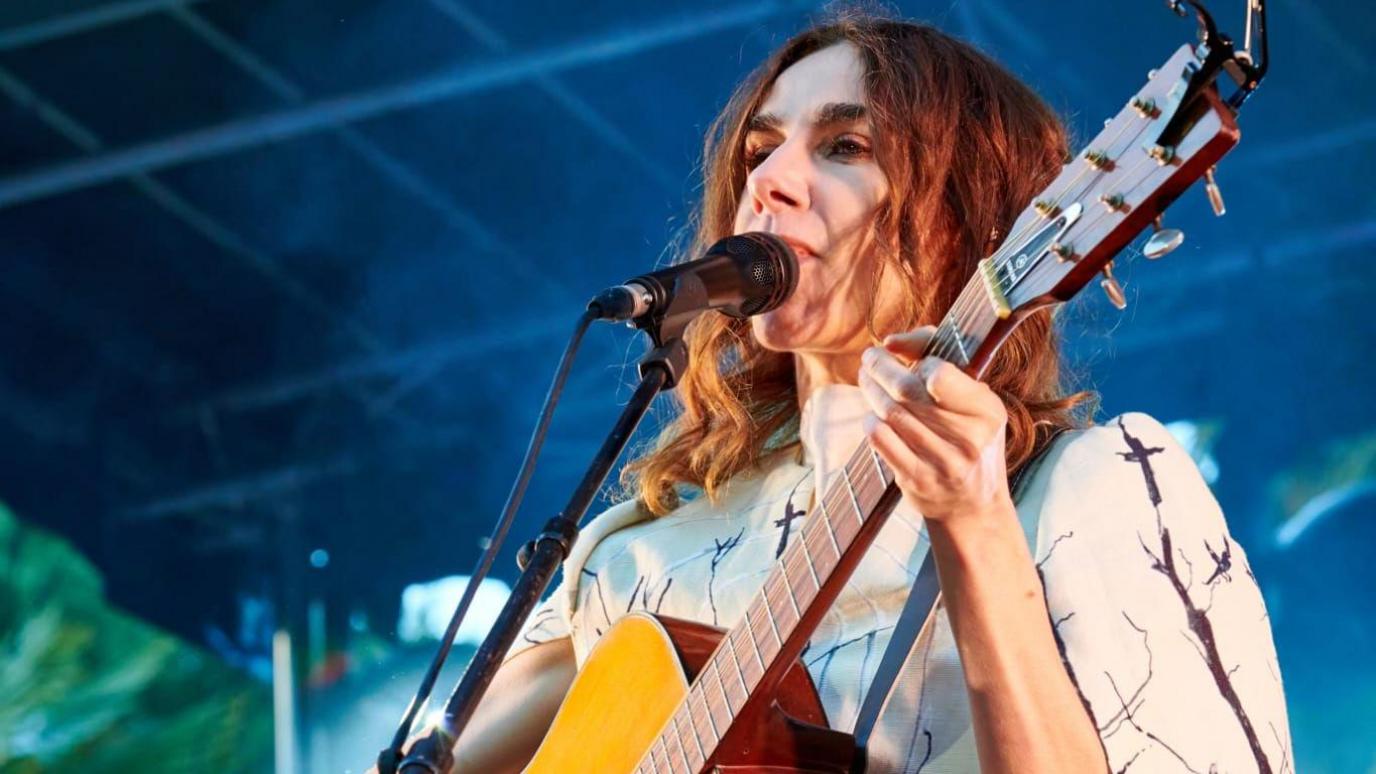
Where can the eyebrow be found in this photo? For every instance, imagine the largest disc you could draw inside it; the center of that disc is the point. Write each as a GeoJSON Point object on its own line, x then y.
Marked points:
{"type": "Point", "coordinates": [828, 116]}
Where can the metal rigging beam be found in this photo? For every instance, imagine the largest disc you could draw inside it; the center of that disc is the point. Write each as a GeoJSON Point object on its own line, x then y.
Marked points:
{"type": "Point", "coordinates": [83, 21]}
{"type": "Point", "coordinates": [555, 89]}
{"type": "Point", "coordinates": [388, 166]}
{"type": "Point", "coordinates": [349, 108]}
{"type": "Point", "coordinates": [412, 359]}
{"type": "Point", "coordinates": [193, 217]}
{"type": "Point", "coordinates": [561, 458]}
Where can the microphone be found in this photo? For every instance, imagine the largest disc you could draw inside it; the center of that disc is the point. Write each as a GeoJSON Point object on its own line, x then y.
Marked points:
{"type": "Point", "coordinates": [741, 275]}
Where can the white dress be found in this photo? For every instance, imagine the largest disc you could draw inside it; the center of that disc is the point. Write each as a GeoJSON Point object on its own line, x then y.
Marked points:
{"type": "Point", "coordinates": [1155, 609]}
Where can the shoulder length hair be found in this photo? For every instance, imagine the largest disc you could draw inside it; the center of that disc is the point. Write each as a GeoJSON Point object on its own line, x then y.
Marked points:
{"type": "Point", "coordinates": [965, 146]}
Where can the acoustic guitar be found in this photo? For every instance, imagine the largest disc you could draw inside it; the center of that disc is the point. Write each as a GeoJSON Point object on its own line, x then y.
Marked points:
{"type": "Point", "coordinates": [704, 699]}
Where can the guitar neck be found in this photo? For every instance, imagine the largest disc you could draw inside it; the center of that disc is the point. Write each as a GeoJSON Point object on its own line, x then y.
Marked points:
{"type": "Point", "coordinates": [806, 579]}
{"type": "Point", "coordinates": [1169, 135]}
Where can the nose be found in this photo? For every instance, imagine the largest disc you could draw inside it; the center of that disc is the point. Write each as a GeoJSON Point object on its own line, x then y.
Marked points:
{"type": "Point", "coordinates": [779, 183]}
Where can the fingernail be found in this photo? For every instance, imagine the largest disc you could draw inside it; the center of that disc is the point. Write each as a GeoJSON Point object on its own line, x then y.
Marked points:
{"type": "Point", "coordinates": [867, 357]}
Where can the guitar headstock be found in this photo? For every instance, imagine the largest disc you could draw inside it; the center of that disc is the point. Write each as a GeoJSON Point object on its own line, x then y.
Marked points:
{"type": "Point", "coordinates": [1170, 134]}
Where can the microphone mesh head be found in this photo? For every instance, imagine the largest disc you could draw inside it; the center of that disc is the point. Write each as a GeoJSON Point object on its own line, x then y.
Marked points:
{"type": "Point", "coordinates": [769, 268]}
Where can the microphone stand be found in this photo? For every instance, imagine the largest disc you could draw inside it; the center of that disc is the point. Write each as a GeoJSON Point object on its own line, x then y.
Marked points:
{"type": "Point", "coordinates": [660, 370]}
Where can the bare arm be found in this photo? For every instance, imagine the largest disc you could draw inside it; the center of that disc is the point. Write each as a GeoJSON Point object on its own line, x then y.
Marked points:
{"type": "Point", "coordinates": [514, 714]}
{"type": "Point", "coordinates": [942, 432]}
{"type": "Point", "coordinates": [1026, 713]}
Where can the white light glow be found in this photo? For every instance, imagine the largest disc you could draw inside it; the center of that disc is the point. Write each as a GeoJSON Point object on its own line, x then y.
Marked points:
{"type": "Point", "coordinates": [427, 607]}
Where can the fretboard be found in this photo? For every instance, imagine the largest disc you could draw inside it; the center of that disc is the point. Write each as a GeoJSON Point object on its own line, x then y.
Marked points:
{"type": "Point", "coordinates": [810, 572]}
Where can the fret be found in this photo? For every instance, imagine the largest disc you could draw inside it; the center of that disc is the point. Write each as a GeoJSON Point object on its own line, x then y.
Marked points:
{"type": "Point", "coordinates": [855, 501]}
{"type": "Point", "coordinates": [691, 721]}
{"type": "Point", "coordinates": [693, 713]}
{"type": "Point", "coordinates": [678, 734]}
{"type": "Point", "coordinates": [960, 347]}
{"type": "Point", "coordinates": [754, 643]}
{"type": "Point", "coordinates": [788, 587]}
{"type": "Point", "coordinates": [707, 710]}
{"type": "Point", "coordinates": [676, 762]}
{"type": "Point", "coordinates": [799, 575]}
{"type": "Point", "coordinates": [831, 533]}
{"type": "Point", "coordinates": [807, 555]}
{"type": "Point", "coordinates": [769, 614]}
{"type": "Point", "coordinates": [742, 654]}
{"type": "Point", "coordinates": [826, 512]}
{"type": "Point", "coordinates": [817, 546]}
{"type": "Point", "coordinates": [725, 700]}
{"type": "Point", "coordinates": [669, 761]}
{"type": "Point", "coordinates": [653, 766]}
{"type": "Point", "coordinates": [740, 673]}
{"type": "Point", "coordinates": [658, 746]}
{"type": "Point", "coordinates": [878, 466]}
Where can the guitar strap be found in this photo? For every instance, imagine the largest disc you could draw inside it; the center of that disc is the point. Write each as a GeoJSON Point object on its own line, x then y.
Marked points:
{"type": "Point", "coordinates": [918, 609]}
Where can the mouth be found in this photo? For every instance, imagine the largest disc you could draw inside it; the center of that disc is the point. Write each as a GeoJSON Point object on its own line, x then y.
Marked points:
{"type": "Point", "coordinates": [800, 248]}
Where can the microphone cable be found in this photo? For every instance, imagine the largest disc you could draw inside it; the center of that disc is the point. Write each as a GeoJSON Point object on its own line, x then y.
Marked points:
{"type": "Point", "coordinates": [499, 533]}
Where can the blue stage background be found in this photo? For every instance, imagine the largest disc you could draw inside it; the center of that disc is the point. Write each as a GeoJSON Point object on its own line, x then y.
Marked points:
{"type": "Point", "coordinates": [283, 282]}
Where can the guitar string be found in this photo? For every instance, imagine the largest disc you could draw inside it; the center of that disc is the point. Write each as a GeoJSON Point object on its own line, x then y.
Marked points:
{"type": "Point", "coordinates": [1101, 218]}
{"type": "Point", "coordinates": [961, 315]}
{"type": "Point", "coordinates": [1000, 257]}
{"type": "Point", "coordinates": [1000, 260]}
{"type": "Point", "coordinates": [792, 560]}
{"type": "Point", "coordinates": [863, 483]}
{"type": "Point", "coordinates": [1144, 124]}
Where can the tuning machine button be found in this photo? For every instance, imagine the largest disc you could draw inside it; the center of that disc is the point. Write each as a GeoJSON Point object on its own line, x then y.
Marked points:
{"type": "Point", "coordinates": [1215, 193]}
{"type": "Point", "coordinates": [1112, 289]}
{"type": "Point", "coordinates": [1162, 241]}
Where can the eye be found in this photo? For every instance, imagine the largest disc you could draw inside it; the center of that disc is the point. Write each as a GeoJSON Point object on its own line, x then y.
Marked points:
{"type": "Point", "coordinates": [847, 146]}
{"type": "Point", "coordinates": [756, 156]}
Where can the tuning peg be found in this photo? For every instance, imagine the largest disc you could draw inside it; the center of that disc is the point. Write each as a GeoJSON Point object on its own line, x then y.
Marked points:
{"type": "Point", "coordinates": [1112, 289]}
{"type": "Point", "coordinates": [1214, 192]}
{"type": "Point", "coordinates": [1163, 241]}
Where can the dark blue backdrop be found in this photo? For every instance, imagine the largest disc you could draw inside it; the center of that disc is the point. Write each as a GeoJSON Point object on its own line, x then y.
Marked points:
{"type": "Point", "coordinates": [288, 275]}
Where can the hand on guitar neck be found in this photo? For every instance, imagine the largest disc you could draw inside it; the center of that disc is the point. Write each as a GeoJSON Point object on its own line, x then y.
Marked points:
{"type": "Point", "coordinates": [939, 429]}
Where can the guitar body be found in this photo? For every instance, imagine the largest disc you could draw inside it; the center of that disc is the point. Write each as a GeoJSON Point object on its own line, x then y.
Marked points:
{"type": "Point", "coordinates": [636, 677]}
{"type": "Point", "coordinates": [637, 692]}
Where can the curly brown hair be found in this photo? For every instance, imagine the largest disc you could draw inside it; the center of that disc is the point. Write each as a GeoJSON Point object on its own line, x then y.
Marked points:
{"type": "Point", "coordinates": [965, 146]}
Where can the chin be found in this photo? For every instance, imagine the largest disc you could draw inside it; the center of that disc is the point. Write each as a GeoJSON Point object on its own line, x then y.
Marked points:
{"type": "Point", "coordinates": [782, 330]}
{"type": "Point", "coordinates": [768, 335]}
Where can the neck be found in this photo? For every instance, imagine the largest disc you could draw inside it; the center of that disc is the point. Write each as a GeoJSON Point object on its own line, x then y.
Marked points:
{"type": "Point", "coordinates": [813, 371]}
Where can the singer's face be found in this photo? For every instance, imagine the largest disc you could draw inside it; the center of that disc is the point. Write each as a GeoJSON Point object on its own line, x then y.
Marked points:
{"type": "Point", "coordinates": [814, 181]}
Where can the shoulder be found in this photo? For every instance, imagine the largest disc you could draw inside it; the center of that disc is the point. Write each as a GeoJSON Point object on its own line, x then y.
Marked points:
{"type": "Point", "coordinates": [1129, 458]}
{"type": "Point", "coordinates": [1110, 443]}
{"type": "Point", "coordinates": [1116, 481]}
{"type": "Point", "coordinates": [1153, 604]}
{"type": "Point", "coordinates": [629, 522]}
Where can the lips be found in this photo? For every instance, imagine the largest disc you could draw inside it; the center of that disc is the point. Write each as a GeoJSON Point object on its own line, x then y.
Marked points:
{"type": "Point", "coordinates": [800, 248]}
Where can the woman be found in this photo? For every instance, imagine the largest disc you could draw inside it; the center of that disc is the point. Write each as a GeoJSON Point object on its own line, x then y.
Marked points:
{"type": "Point", "coordinates": [1129, 633]}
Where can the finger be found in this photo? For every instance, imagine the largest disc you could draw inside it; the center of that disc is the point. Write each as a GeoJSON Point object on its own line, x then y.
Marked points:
{"type": "Point", "coordinates": [954, 390]}
{"type": "Point", "coordinates": [912, 344]}
{"type": "Point", "coordinates": [925, 441]}
{"type": "Point", "coordinates": [907, 466]}
{"type": "Point", "coordinates": [902, 384]}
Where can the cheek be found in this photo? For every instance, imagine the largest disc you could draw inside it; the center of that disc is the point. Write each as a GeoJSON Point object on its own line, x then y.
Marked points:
{"type": "Point", "coordinates": [743, 213]}
{"type": "Point", "coordinates": [824, 312]}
